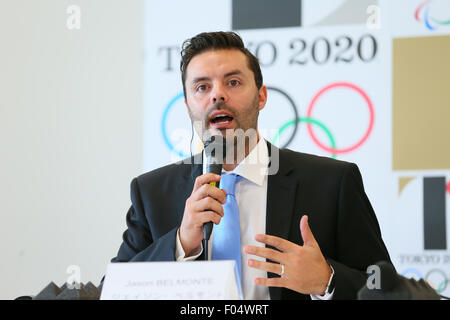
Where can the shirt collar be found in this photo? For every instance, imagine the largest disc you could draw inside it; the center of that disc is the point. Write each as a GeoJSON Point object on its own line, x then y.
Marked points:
{"type": "Point", "coordinates": [254, 166]}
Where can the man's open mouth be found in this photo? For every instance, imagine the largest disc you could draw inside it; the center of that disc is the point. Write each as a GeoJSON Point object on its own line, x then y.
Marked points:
{"type": "Point", "coordinates": [220, 119]}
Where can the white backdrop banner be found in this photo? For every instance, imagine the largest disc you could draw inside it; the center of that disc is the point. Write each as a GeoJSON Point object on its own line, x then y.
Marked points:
{"type": "Point", "coordinates": [361, 81]}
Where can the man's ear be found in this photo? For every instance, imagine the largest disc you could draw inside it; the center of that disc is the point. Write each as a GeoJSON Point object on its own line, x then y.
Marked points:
{"type": "Point", "coordinates": [187, 107]}
{"type": "Point", "coordinates": [188, 110]}
{"type": "Point", "coordinates": [262, 97]}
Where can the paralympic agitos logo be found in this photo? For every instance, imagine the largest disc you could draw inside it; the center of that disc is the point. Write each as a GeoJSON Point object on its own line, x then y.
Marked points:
{"type": "Point", "coordinates": [424, 13]}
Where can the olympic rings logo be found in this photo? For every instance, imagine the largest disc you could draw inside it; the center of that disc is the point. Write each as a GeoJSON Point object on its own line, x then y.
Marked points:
{"type": "Point", "coordinates": [439, 285]}
{"type": "Point", "coordinates": [297, 119]}
{"type": "Point", "coordinates": [427, 19]}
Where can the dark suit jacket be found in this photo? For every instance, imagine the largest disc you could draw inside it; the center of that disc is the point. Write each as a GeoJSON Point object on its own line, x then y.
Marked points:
{"type": "Point", "coordinates": [329, 191]}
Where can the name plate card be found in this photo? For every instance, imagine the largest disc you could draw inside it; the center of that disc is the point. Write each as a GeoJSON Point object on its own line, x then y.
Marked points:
{"type": "Point", "coordinates": [192, 280]}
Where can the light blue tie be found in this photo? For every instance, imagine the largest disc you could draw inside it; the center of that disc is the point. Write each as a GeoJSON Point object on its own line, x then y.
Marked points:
{"type": "Point", "coordinates": [227, 234]}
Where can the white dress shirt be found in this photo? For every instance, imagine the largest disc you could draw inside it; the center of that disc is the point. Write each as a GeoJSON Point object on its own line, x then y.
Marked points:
{"type": "Point", "coordinates": [251, 197]}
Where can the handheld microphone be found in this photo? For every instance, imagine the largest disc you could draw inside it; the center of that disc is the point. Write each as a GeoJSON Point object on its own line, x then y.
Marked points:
{"type": "Point", "coordinates": [393, 286]}
{"type": "Point", "coordinates": [215, 150]}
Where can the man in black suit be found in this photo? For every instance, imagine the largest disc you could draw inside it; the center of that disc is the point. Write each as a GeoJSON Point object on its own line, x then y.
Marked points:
{"type": "Point", "coordinates": [307, 230]}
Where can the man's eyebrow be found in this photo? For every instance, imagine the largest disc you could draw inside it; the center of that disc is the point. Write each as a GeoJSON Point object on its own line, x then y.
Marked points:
{"type": "Point", "coordinates": [199, 79]}
{"type": "Point", "coordinates": [231, 73]}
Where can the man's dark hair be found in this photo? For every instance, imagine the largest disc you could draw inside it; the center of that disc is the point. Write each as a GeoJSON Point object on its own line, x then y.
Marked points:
{"type": "Point", "coordinates": [220, 40]}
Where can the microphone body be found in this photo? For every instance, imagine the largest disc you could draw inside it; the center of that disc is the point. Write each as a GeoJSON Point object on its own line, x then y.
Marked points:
{"type": "Point", "coordinates": [215, 150]}
{"type": "Point", "coordinates": [215, 168]}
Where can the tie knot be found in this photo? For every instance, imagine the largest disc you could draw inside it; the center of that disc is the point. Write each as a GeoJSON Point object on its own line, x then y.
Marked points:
{"type": "Point", "coordinates": [228, 182]}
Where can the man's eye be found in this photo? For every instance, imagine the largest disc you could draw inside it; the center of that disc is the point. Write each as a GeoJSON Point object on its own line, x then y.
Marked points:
{"type": "Point", "coordinates": [201, 87]}
{"type": "Point", "coordinates": [233, 83]}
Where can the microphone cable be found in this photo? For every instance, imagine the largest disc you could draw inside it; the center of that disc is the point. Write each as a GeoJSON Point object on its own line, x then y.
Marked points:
{"type": "Point", "coordinates": [190, 150]}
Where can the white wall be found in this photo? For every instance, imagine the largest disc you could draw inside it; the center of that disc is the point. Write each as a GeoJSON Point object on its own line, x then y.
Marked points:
{"type": "Point", "coordinates": [70, 137]}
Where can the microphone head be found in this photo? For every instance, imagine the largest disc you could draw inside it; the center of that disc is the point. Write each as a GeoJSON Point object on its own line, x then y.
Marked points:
{"type": "Point", "coordinates": [388, 276]}
{"type": "Point", "coordinates": [66, 292]}
{"type": "Point", "coordinates": [50, 292]}
{"type": "Point", "coordinates": [215, 147]}
{"type": "Point", "coordinates": [385, 284]}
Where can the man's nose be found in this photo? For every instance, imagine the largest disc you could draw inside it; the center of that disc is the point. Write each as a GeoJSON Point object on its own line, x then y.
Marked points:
{"type": "Point", "coordinates": [215, 99]}
{"type": "Point", "coordinates": [218, 94]}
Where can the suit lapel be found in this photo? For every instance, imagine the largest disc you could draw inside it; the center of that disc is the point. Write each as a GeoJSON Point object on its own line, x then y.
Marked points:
{"type": "Point", "coordinates": [281, 190]}
{"type": "Point", "coordinates": [193, 167]}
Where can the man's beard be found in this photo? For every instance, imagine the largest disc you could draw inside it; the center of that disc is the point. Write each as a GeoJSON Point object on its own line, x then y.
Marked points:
{"type": "Point", "coordinates": [239, 140]}
{"type": "Point", "coordinates": [202, 124]}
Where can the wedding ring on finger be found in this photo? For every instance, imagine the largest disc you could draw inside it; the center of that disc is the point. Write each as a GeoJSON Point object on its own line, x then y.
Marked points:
{"type": "Point", "coordinates": [282, 269]}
